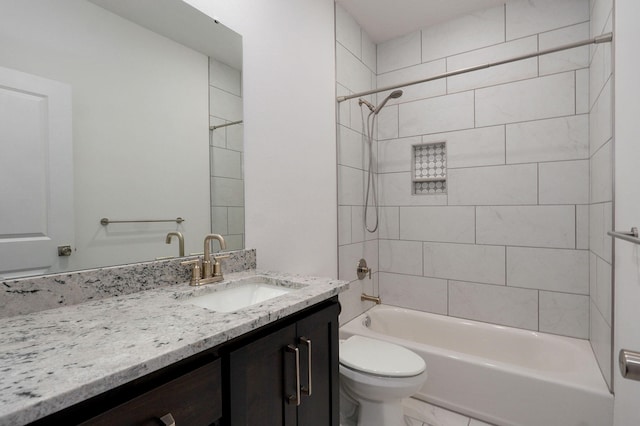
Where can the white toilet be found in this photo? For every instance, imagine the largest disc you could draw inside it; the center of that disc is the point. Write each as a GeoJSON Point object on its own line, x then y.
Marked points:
{"type": "Point", "coordinates": [377, 375]}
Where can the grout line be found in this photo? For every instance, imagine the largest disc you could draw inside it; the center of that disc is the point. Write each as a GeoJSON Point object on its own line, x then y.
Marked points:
{"type": "Point", "coordinates": [575, 91]}
{"type": "Point", "coordinates": [538, 49]}
{"type": "Point", "coordinates": [504, 16]}
{"type": "Point", "coordinates": [448, 298]}
{"type": "Point", "coordinates": [506, 283]}
{"type": "Point", "coordinates": [475, 107]}
{"type": "Point", "coordinates": [505, 144]}
{"type": "Point", "coordinates": [421, 49]}
{"type": "Point", "coordinates": [538, 182]}
{"type": "Point", "coordinates": [538, 310]}
{"type": "Point", "coordinates": [475, 224]}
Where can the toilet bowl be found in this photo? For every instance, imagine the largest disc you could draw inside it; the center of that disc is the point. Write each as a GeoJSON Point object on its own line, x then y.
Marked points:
{"type": "Point", "coordinates": [376, 376]}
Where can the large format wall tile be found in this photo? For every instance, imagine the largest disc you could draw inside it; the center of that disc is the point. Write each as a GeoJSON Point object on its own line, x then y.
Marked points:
{"type": "Point", "coordinates": [564, 182]}
{"type": "Point", "coordinates": [526, 17]}
{"type": "Point", "coordinates": [566, 60]}
{"type": "Point", "coordinates": [438, 224]}
{"type": "Point", "coordinates": [435, 115]}
{"type": "Point", "coordinates": [554, 139]}
{"type": "Point", "coordinates": [548, 269]}
{"type": "Point", "coordinates": [399, 53]}
{"type": "Point", "coordinates": [600, 119]}
{"type": "Point", "coordinates": [602, 174]}
{"type": "Point", "coordinates": [465, 262]}
{"type": "Point", "coordinates": [227, 192]}
{"type": "Point", "coordinates": [515, 307]}
{"type": "Point", "coordinates": [474, 147]}
{"type": "Point", "coordinates": [530, 226]}
{"type": "Point", "coordinates": [348, 32]}
{"type": "Point", "coordinates": [468, 32]}
{"type": "Point", "coordinates": [351, 72]}
{"type": "Point", "coordinates": [402, 257]}
{"type": "Point", "coordinates": [224, 105]}
{"type": "Point", "coordinates": [505, 73]}
{"type": "Point", "coordinates": [496, 185]}
{"type": "Point", "coordinates": [224, 77]}
{"type": "Point", "coordinates": [565, 314]}
{"type": "Point", "coordinates": [420, 293]}
{"type": "Point", "coordinates": [534, 99]}
{"type": "Point", "coordinates": [395, 155]}
{"type": "Point", "coordinates": [415, 73]}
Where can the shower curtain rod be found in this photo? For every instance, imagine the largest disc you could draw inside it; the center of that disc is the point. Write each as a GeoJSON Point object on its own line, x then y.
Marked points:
{"type": "Point", "coordinates": [225, 125]}
{"type": "Point", "coordinates": [604, 38]}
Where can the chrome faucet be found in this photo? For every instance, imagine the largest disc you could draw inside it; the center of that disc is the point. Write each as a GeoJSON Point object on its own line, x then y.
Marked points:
{"type": "Point", "coordinates": [180, 241]}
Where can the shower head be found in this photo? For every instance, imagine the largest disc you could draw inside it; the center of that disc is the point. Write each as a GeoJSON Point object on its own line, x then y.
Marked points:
{"type": "Point", "coordinates": [395, 94]}
{"type": "Point", "coordinates": [368, 104]}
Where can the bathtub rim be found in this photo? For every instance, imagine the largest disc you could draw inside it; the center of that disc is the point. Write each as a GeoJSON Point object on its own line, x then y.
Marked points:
{"type": "Point", "coordinates": [596, 384]}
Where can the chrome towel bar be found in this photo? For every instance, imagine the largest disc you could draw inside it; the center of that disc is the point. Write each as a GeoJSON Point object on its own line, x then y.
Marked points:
{"type": "Point", "coordinates": [631, 236]}
{"type": "Point", "coordinates": [105, 221]}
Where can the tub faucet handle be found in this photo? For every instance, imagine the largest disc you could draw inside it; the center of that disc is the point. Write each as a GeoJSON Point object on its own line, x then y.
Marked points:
{"type": "Point", "coordinates": [362, 269]}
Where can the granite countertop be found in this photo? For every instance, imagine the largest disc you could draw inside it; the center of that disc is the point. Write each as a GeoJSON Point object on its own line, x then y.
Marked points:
{"type": "Point", "coordinates": [53, 359]}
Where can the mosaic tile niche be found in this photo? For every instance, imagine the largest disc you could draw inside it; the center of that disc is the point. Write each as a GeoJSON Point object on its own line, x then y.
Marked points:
{"type": "Point", "coordinates": [430, 168]}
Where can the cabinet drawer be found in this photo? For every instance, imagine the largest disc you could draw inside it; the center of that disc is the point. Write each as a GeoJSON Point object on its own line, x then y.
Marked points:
{"type": "Point", "coordinates": [192, 399]}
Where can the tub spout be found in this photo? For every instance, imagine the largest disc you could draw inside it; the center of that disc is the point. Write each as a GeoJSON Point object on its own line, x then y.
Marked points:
{"type": "Point", "coordinates": [365, 297]}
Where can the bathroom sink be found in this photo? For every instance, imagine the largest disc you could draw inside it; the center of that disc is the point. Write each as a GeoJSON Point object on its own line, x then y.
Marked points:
{"type": "Point", "coordinates": [240, 294]}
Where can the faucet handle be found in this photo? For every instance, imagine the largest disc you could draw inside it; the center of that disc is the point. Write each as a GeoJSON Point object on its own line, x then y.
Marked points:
{"type": "Point", "coordinates": [217, 267]}
{"type": "Point", "coordinates": [195, 272]}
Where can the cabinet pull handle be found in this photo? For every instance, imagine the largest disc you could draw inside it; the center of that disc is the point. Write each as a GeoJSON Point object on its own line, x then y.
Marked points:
{"type": "Point", "coordinates": [167, 420]}
{"type": "Point", "coordinates": [295, 398]}
{"type": "Point", "coordinates": [307, 390]}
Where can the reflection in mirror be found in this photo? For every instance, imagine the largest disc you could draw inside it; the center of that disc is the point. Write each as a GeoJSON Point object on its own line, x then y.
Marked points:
{"type": "Point", "coordinates": [107, 117]}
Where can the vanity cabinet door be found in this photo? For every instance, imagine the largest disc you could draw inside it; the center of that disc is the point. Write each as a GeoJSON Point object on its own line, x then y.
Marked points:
{"type": "Point", "coordinates": [261, 376]}
{"type": "Point", "coordinates": [194, 399]}
{"type": "Point", "coordinates": [321, 330]}
{"type": "Point", "coordinates": [264, 381]}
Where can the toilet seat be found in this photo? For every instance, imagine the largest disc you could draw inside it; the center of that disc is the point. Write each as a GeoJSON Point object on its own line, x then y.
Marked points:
{"type": "Point", "coordinates": [379, 358]}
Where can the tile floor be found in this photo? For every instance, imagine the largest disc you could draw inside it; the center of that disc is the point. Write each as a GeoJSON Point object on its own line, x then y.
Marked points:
{"type": "Point", "coordinates": [419, 413]}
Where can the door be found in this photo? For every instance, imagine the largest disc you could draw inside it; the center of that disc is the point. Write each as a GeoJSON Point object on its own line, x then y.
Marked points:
{"type": "Point", "coordinates": [36, 173]}
{"type": "Point", "coordinates": [627, 204]}
{"type": "Point", "coordinates": [318, 337]}
{"type": "Point", "coordinates": [261, 376]}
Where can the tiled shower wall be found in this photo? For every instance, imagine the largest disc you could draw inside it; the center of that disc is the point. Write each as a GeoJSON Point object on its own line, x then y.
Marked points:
{"type": "Point", "coordinates": [226, 151]}
{"type": "Point", "coordinates": [509, 242]}
{"type": "Point", "coordinates": [600, 208]}
{"type": "Point", "coordinates": [356, 72]}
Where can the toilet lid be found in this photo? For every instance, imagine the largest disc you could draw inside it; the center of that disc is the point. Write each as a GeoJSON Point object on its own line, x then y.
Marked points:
{"type": "Point", "coordinates": [380, 358]}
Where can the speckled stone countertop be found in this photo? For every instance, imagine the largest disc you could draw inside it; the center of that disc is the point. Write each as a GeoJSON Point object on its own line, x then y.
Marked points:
{"type": "Point", "coordinates": [53, 359]}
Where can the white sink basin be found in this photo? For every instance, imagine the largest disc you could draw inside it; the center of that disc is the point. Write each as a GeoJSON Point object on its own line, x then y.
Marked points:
{"type": "Point", "coordinates": [239, 295]}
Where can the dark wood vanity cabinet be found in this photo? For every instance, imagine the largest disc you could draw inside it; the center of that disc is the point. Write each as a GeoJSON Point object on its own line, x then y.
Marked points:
{"type": "Point", "coordinates": [193, 399]}
{"type": "Point", "coordinates": [288, 377]}
{"type": "Point", "coordinates": [252, 380]}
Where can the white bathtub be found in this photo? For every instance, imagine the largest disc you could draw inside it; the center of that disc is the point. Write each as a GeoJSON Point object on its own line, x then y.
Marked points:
{"type": "Point", "coordinates": [502, 375]}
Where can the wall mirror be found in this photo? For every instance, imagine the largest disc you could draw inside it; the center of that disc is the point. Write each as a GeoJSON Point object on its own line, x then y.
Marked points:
{"type": "Point", "coordinates": [129, 111]}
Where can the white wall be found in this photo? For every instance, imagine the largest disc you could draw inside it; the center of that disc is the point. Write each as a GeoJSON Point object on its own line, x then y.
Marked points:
{"type": "Point", "coordinates": [627, 209]}
{"type": "Point", "coordinates": [289, 113]}
{"type": "Point", "coordinates": [139, 118]}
